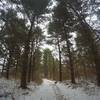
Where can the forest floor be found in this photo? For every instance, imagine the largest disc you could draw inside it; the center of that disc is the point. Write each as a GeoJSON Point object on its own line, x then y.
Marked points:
{"type": "Point", "coordinates": [49, 90]}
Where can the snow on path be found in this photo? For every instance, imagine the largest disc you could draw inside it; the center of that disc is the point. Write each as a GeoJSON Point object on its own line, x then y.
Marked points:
{"type": "Point", "coordinates": [44, 92]}
{"type": "Point", "coordinates": [48, 90]}
{"type": "Point", "coordinates": [57, 92]}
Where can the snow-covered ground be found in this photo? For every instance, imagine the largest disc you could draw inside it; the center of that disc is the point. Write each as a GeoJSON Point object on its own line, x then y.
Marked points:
{"type": "Point", "coordinates": [48, 90]}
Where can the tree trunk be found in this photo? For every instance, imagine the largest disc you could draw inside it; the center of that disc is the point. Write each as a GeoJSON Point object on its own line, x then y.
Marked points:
{"type": "Point", "coordinates": [3, 66]}
{"type": "Point", "coordinates": [30, 67]}
{"type": "Point", "coordinates": [33, 68]}
{"type": "Point", "coordinates": [97, 65]}
{"type": "Point", "coordinates": [85, 71]}
{"type": "Point", "coordinates": [72, 72]}
{"type": "Point", "coordinates": [16, 68]}
{"type": "Point", "coordinates": [53, 76]}
{"type": "Point", "coordinates": [8, 67]}
{"type": "Point", "coordinates": [46, 71]}
{"type": "Point", "coordinates": [60, 65]}
{"type": "Point", "coordinates": [25, 59]}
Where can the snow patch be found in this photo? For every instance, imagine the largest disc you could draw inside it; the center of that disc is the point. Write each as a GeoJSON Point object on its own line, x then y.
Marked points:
{"type": "Point", "coordinates": [48, 90]}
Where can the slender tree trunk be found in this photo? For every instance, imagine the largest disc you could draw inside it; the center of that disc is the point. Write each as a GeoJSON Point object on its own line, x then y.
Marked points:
{"type": "Point", "coordinates": [78, 74]}
{"type": "Point", "coordinates": [8, 67]}
{"type": "Point", "coordinates": [23, 83]}
{"type": "Point", "coordinates": [3, 66]}
{"type": "Point", "coordinates": [85, 71]}
{"type": "Point", "coordinates": [46, 73]}
{"type": "Point", "coordinates": [24, 69]}
{"type": "Point", "coordinates": [30, 67]}
{"type": "Point", "coordinates": [16, 69]}
{"type": "Point", "coordinates": [32, 62]}
{"type": "Point", "coordinates": [7, 73]}
{"type": "Point", "coordinates": [60, 65]}
{"type": "Point", "coordinates": [46, 68]}
{"type": "Point", "coordinates": [33, 67]}
{"type": "Point", "coordinates": [53, 70]}
{"type": "Point", "coordinates": [72, 72]}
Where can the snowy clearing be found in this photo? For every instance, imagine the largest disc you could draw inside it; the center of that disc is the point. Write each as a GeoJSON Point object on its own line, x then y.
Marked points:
{"type": "Point", "coordinates": [48, 90]}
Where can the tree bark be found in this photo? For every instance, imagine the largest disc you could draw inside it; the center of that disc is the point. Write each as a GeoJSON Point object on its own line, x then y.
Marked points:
{"type": "Point", "coordinates": [3, 66]}
{"type": "Point", "coordinates": [30, 63]}
{"type": "Point", "coordinates": [54, 75]}
{"type": "Point", "coordinates": [8, 67]}
{"type": "Point", "coordinates": [60, 65]}
{"type": "Point", "coordinates": [23, 83]}
{"type": "Point", "coordinates": [72, 72]}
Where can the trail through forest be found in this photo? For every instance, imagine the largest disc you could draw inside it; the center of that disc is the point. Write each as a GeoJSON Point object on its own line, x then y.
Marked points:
{"type": "Point", "coordinates": [48, 90]}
